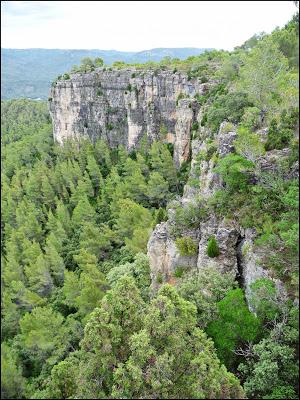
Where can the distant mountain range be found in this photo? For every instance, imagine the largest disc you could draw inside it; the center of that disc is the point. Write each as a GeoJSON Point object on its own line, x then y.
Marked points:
{"type": "Point", "coordinates": [29, 72]}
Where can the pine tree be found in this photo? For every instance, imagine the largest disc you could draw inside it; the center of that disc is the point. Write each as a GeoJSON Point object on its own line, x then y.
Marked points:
{"type": "Point", "coordinates": [82, 213]}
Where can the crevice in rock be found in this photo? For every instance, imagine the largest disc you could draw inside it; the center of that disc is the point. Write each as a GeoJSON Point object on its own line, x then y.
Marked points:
{"type": "Point", "coordinates": [239, 261]}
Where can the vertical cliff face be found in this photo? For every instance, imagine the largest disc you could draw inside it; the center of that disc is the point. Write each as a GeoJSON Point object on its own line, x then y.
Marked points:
{"type": "Point", "coordinates": [125, 106]}
{"type": "Point", "coordinates": [121, 106]}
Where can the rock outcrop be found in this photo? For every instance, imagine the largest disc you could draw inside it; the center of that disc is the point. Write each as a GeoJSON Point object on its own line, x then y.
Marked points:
{"type": "Point", "coordinates": [125, 106]}
{"type": "Point", "coordinates": [164, 257]}
{"type": "Point", "coordinates": [121, 106]}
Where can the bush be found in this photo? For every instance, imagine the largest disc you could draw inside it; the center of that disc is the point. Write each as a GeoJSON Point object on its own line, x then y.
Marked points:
{"type": "Point", "coordinates": [228, 107]}
{"type": "Point", "coordinates": [179, 97]}
{"type": "Point", "coordinates": [109, 126]}
{"type": "Point", "coordinates": [129, 88]}
{"type": "Point", "coordinates": [195, 126]}
{"type": "Point", "coordinates": [159, 278]}
{"type": "Point", "coordinates": [161, 216]}
{"type": "Point", "coordinates": [212, 247]}
{"type": "Point", "coordinates": [235, 171]}
{"type": "Point", "coordinates": [204, 120]}
{"type": "Point", "coordinates": [187, 217]}
{"type": "Point", "coordinates": [186, 246]}
{"type": "Point", "coordinates": [227, 127]}
{"type": "Point", "coordinates": [278, 137]}
{"type": "Point", "coordinates": [99, 92]}
{"type": "Point", "coordinates": [66, 76]}
{"type": "Point", "coordinates": [178, 272]}
{"type": "Point", "coordinates": [98, 62]}
{"type": "Point", "coordinates": [251, 118]}
{"type": "Point", "coordinates": [210, 152]}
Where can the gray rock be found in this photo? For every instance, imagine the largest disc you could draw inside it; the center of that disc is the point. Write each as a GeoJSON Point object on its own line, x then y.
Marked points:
{"type": "Point", "coordinates": [164, 257]}
{"type": "Point", "coordinates": [121, 106]}
{"type": "Point", "coordinates": [251, 268]}
{"type": "Point", "coordinates": [227, 234]}
{"type": "Point", "coordinates": [225, 138]}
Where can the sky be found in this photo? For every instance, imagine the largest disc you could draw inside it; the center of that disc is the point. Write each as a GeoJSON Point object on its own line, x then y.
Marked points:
{"type": "Point", "coordinates": [137, 25]}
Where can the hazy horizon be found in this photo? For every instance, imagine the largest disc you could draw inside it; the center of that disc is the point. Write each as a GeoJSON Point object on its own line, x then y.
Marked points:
{"type": "Point", "coordinates": [130, 26]}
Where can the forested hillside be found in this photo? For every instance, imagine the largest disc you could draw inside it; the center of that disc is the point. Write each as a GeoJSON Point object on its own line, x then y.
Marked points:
{"type": "Point", "coordinates": [80, 317]}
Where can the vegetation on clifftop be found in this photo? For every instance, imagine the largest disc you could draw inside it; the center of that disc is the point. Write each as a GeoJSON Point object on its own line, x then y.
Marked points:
{"type": "Point", "coordinates": [79, 319]}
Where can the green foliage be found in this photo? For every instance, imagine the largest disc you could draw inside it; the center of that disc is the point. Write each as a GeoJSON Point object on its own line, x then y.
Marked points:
{"type": "Point", "coordinates": [179, 97]}
{"type": "Point", "coordinates": [234, 170]}
{"type": "Point", "coordinates": [76, 221]}
{"type": "Point", "coordinates": [212, 247]}
{"type": "Point", "coordinates": [98, 62]}
{"type": "Point", "coordinates": [280, 136]}
{"type": "Point", "coordinates": [186, 246]}
{"type": "Point", "coordinates": [234, 327]}
{"type": "Point", "coordinates": [251, 118]}
{"type": "Point", "coordinates": [187, 217]}
{"type": "Point", "coordinates": [228, 107]}
{"type": "Point", "coordinates": [248, 145]}
{"type": "Point", "coordinates": [179, 271]}
{"type": "Point", "coordinates": [158, 189]}
{"type": "Point", "coordinates": [12, 381]}
{"type": "Point", "coordinates": [162, 162]}
{"type": "Point", "coordinates": [138, 269]}
{"type": "Point", "coordinates": [265, 299]}
{"type": "Point", "coordinates": [109, 126]}
{"type": "Point", "coordinates": [41, 337]}
{"type": "Point", "coordinates": [273, 360]}
{"type": "Point", "coordinates": [264, 86]}
{"type": "Point", "coordinates": [205, 289]}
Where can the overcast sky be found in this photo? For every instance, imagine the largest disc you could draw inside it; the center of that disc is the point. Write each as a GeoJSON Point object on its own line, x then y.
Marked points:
{"type": "Point", "coordinates": [137, 25]}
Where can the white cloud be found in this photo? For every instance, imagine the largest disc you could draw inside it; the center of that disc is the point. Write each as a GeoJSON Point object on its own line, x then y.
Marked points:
{"type": "Point", "coordinates": [138, 25]}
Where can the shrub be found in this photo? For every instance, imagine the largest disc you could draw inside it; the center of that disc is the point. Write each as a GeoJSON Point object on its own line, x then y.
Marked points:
{"type": "Point", "coordinates": [187, 217]}
{"type": "Point", "coordinates": [50, 99]}
{"type": "Point", "coordinates": [161, 216]}
{"type": "Point", "coordinates": [179, 97]}
{"type": "Point", "coordinates": [66, 76]}
{"type": "Point", "coordinates": [235, 171]}
{"type": "Point", "coordinates": [186, 246]}
{"type": "Point", "coordinates": [133, 75]}
{"type": "Point", "coordinates": [227, 127]}
{"type": "Point", "coordinates": [129, 88]}
{"type": "Point", "coordinates": [212, 247]}
{"type": "Point", "coordinates": [163, 131]}
{"type": "Point", "coordinates": [278, 137]}
{"type": "Point", "coordinates": [204, 120]}
{"type": "Point", "coordinates": [235, 326]}
{"type": "Point", "coordinates": [109, 126]}
{"type": "Point", "coordinates": [178, 272]}
{"type": "Point", "coordinates": [195, 126]}
{"type": "Point", "coordinates": [251, 118]}
{"type": "Point", "coordinates": [159, 278]}
{"type": "Point", "coordinates": [228, 107]}
{"type": "Point", "coordinates": [99, 92]}
{"type": "Point", "coordinates": [210, 152]}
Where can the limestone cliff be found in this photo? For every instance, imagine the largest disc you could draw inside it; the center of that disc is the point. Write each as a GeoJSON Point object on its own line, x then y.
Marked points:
{"type": "Point", "coordinates": [238, 252]}
{"type": "Point", "coordinates": [121, 106]}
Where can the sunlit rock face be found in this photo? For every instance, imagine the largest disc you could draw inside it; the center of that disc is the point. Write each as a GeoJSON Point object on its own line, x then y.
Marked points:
{"type": "Point", "coordinates": [123, 106]}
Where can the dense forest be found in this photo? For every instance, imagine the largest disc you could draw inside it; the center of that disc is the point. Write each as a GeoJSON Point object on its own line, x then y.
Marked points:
{"type": "Point", "coordinates": [79, 316]}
